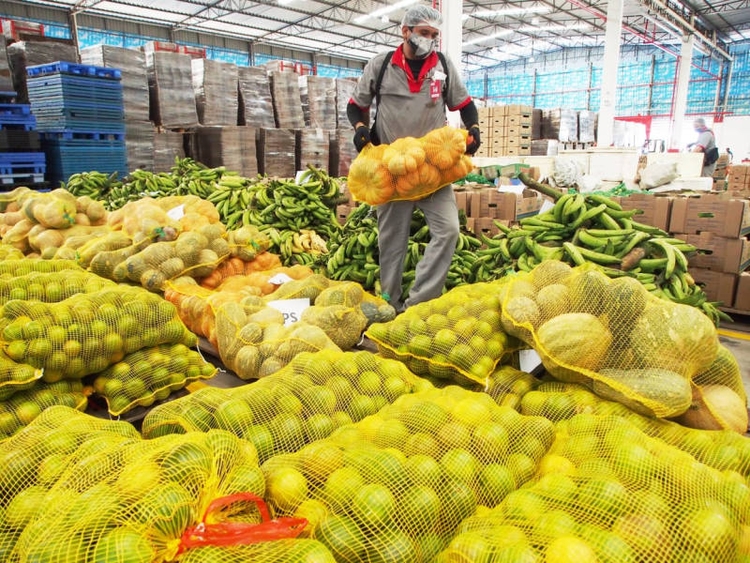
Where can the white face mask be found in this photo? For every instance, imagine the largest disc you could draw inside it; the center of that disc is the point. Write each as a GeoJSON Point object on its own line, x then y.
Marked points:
{"type": "Point", "coordinates": [422, 46]}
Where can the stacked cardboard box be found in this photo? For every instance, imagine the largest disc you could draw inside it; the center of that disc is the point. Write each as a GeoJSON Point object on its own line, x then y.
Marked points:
{"type": "Point", "coordinates": [738, 181]}
{"type": "Point", "coordinates": [505, 130]}
{"type": "Point", "coordinates": [560, 124]}
{"type": "Point", "coordinates": [720, 173]}
{"type": "Point", "coordinates": [719, 226]}
{"type": "Point", "coordinates": [587, 121]}
{"type": "Point", "coordinates": [216, 103]}
{"type": "Point", "coordinates": [318, 95]}
{"type": "Point", "coordinates": [255, 103]}
{"type": "Point", "coordinates": [313, 148]}
{"type": "Point", "coordinates": [170, 82]}
{"type": "Point", "coordinates": [168, 145]}
{"type": "Point", "coordinates": [287, 103]}
{"type": "Point", "coordinates": [484, 206]}
{"type": "Point", "coordinates": [277, 152]}
{"type": "Point", "coordinates": [22, 54]}
{"type": "Point", "coordinates": [231, 146]}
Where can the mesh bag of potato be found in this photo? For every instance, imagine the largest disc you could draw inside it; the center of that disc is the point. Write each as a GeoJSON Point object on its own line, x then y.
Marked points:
{"type": "Point", "coordinates": [457, 336]}
{"type": "Point", "coordinates": [151, 500]}
{"type": "Point", "coordinates": [395, 485]}
{"type": "Point", "coordinates": [611, 334]}
{"type": "Point", "coordinates": [409, 168]}
{"type": "Point", "coordinates": [150, 374]}
{"type": "Point", "coordinates": [607, 492]}
{"type": "Point", "coordinates": [86, 333]}
{"type": "Point", "coordinates": [305, 401]}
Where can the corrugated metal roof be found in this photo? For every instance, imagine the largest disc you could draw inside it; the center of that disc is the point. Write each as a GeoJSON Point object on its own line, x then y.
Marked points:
{"type": "Point", "coordinates": [492, 32]}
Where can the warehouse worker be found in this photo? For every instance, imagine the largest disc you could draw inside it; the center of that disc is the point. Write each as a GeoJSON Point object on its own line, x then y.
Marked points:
{"type": "Point", "coordinates": [412, 92]}
{"type": "Point", "coordinates": [706, 144]}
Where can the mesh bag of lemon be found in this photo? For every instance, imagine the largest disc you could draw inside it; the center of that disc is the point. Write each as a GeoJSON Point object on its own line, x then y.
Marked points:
{"type": "Point", "coordinates": [611, 334]}
{"type": "Point", "coordinates": [15, 377]}
{"type": "Point", "coordinates": [508, 386]}
{"type": "Point", "coordinates": [150, 374]}
{"type": "Point", "coordinates": [395, 485]}
{"type": "Point", "coordinates": [281, 551]}
{"type": "Point", "coordinates": [143, 499]}
{"type": "Point", "coordinates": [24, 406]}
{"type": "Point", "coordinates": [303, 402]}
{"type": "Point", "coordinates": [457, 336]}
{"type": "Point", "coordinates": [28, 265]}
{"type": "Point", "coordinates": [409, 168]}
{"type": "Point", "coordinates": [607, 492]}
{"type": "Point", "coordinates": [34, 459]}
{"type": "Point", "coordinates": [86, 333]}
{"type": "Point", "coordinates": [8, 252]}
{"type": "Point", "coordinates": [50, 287]}
{"type": "Point", "coordinates": [724, 450]}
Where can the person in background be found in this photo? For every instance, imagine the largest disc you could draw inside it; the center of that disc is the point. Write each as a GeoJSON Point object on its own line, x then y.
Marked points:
{"type": "Point", "coordinates": [706, 143]}
{"type": "Point", "coordinates": [730, 155]}
{"type": "Point", "coordinates": [413, 91]}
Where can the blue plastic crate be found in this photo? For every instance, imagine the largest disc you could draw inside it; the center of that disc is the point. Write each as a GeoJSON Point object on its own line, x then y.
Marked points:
{"type": "Point", "coordinates": [64, 67]}
{"type": "Point", "coordinates": [22, 163]}
{"type": "Point", "coordinates": [84, 135]}
{"type": "Point", "coordinates": [15, 109]}
{"type": "Point", "coordinates": [24, 122]}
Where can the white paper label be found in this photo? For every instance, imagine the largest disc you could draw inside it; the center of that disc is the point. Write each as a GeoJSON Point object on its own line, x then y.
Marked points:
{"type": "Point", "coordinates": [176, 213]}
{"type": "Point", "coordinates": [529, 360]}
{"type": "Point", "coordinates": [290, 308]}
{"type": "Point", "coordinates": [546, 206]}
{"type": "Point", "coordinates": [279, 279]}
{"type": "Point", "coordinates": [298, 177]}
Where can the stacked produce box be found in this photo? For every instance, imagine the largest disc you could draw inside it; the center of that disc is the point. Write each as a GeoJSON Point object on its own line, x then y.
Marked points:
{"type": "Point", "coordinates": [139, 131]}
{"type": "Point", "coordinates": [32, 52]}
{"type": "Point", "coordinates": [738, 181]}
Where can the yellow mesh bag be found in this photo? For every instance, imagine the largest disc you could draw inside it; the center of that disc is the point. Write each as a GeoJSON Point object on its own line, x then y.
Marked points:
{"type": "Point", "coordinates": [33, 460]}
{"type": "Point", "coordinates": [15, 377]}
{"type": "Point", "coordinates": [613, 494]}
{"type": "Point", "coordinates": [24, 406]}
{"type": "Point", "coordinates": [50, 287]}
{"type": "Point", "coordinates": [282, 551]}
{"type": "Point", "coordinates": [719, 398]}
{"type": "Point", "coordinates": [88, 332]}
{"type": "Point", "coordinates": [150, 374]}
{"type": "Point", "coordinates": [395, 485]}
{"type": "Point", "coordinates": [306, 401]}
{"type": "Point", "coordinates": [48, 242]}
{"type": "Point", "coordinates": [28, 265]}
{"type": "Point", "coordinates": [508, 386]}
{"type": "Point", "coordinates": [309, 287]}
{"type": "Point", "coordinates": [409, 168]}
{"type": "Point", "coordinates": [627, 344]}
{"type": "Point", "coordinates": [8, 252]}
{"type": "Point", "coordinates": [343, 324]}
{"type": "Point", "coordinates": [724, 450]}
{"type": "Point", "coordinates": [144, 498]}
{"type": "Point", "coordinates": [247, 242]}
{"type": "Point", "coordinates": [457, 336]}
{"type": "Point", "coordinates": [376, 309]}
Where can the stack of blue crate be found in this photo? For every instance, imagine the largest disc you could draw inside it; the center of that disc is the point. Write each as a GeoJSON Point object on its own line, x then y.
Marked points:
{"type": "Point", "coordinates": [21, 161]}
{"type": "Point", "coordinates": [80, 115]}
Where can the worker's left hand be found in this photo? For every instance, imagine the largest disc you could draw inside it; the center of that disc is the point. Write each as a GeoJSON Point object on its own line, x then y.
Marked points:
{"type": "Point", "coordinates": [473, 141]}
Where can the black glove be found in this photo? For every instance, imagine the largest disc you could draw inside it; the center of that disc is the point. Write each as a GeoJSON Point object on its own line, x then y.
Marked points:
{"type": "Point", "coordinates": [473, 141]}
{"type": "Point", "coordinates": [361, 137]}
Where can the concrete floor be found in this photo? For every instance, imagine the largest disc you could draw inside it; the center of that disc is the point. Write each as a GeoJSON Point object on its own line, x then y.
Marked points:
{"type": "Point", "coordinates": [736, 337]}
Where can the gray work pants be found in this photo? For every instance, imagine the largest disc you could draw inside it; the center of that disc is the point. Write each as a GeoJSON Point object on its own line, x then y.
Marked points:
{"type": "Point", "coordinates": [394, 221]}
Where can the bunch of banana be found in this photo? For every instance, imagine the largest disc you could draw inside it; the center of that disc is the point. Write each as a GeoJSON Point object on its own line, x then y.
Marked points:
{"type": "Point", "coordinates": [139, 184]}
{"type": "Point", "coordinates": [96, 185]}
{"type": "Point", "coordinates": [353, 251]}
{"type": "Point", "coordinates": [594, 228]}
{"type": "Point", "coordinates": [307, 249]}
{"type": "Point", "coordinates": [195, 178]}
{"type": "Point", "coordinates": [232, 196]}
{"type": "Point", "coordinates": [320, 183]}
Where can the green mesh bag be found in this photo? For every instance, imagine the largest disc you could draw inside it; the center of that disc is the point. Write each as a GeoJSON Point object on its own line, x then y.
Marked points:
{"type": "Point", "coordinates": [145, 498]}
{"type": "Point", "coordinates": [395, 485]}
{"type": "Point", "coordinates": [628, 345]}
{"type": "Point", "coordinates": [615, 495]}
{"type": "Point", "coordinates": [456, 337]}
{"type": "Point", "coordinates": [150, 374]}
{"type": "Point", "coordinates": [26, 405]}
{"type": "Point", "coordinates": [33, 460]}
{"type": "Point", "coordinates": [88, 332]}
{"type": "Point", "coordinates": [303, 402]}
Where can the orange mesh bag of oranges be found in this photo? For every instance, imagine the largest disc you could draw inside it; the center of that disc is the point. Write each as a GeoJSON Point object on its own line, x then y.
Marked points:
{"type": "Point", "coordinates": [307, 400]}
{"type": "Point", "coordinates": [149, 375]}
{"type": "Point", "coordinates": [611, 334]}
{"type": "Point", "coordinates": [395, 485]}
{"type": "Point", "coordinates": [607, 492]}
{"type": "Point", "coordinates": [153, 500]}
{"type": "Point", "coordinates": [409, 168]}
{"type": "Point", "coordinates": [35, 459]}
{"type": "Point", "coordinates": [87, 333]}
{"type": "Point", "coordinates": [24, 406]}
{"type": "Point", "coordinates": [456, 337]}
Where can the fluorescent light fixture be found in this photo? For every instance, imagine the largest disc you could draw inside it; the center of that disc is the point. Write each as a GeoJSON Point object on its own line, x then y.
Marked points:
{"type": "Point", "coordinates": [502, 33]}
{"type": "Point", "coordinates": [284, 2]}
{"type": "Point", "coordinates": [553, 27]}
{"type": "Point", "coordinates": [384, 11]}
{"type": "Point", "coordinates": [510, 12]}
{"type": "Point", "coordinates": [384, 19]}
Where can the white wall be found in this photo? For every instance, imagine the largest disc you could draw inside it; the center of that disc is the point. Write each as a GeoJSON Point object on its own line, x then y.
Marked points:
{"type": "Point", "coordinates": [732, 133]}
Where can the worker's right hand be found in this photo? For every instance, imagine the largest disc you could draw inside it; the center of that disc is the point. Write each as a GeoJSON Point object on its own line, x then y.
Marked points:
{"type": "Point", "coordinates": [361, 137]}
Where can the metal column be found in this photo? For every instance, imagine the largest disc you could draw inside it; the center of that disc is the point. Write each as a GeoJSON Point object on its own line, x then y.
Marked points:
{"type": "Point", "coordinates": [605, 135]}
{"type": "Point", "coordinates": [451, 39]}
{"type": "Point", "coordinates": [681, 92]}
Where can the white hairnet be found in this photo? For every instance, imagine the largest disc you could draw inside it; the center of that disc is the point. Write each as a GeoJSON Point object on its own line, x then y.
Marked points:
{"type": "Point", "coordinates": [422, 15]}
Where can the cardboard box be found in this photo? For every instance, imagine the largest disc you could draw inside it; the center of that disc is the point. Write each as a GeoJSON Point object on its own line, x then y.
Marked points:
{"type": "Point", "coordinates": [719, 286]}
{"type": "Point", "coordinates": [342, 212]}
{"type": "Point", "coordinates": [463, 201]}
{"type": "Point", "coordinates": [731, 255]}
{"type": "Point", "coordinates": [485, 226]}
{"type": "Point", "coordinates": [656, 209]}
{"type": "Point", "coordinates": [506, 206]}
{"type": "Point", "coordinates": [712, 213]}
{"type": "Point", "coordinates": [742, 295]}
{"type": "Point", "coordinates": [720, 185]}
{"type": "Point", "coordinates": [518, 109]}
